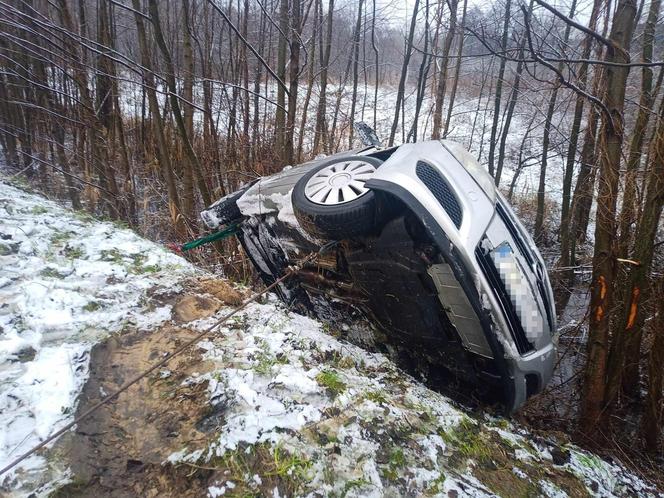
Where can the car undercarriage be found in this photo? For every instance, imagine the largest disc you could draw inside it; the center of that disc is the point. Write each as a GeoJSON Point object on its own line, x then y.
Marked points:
{"type": "Point", "coordinates": [381, 287]}
{"type": "Point", "coordinates": [419, 257]}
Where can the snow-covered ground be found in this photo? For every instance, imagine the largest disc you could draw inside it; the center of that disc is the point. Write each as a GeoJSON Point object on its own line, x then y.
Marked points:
{"type": "Point", "coordinates": [358, 426]}
{"type": "Point", "coordinates": [307, 412]}
{"type": "Point", "coordinates": [66, 282]}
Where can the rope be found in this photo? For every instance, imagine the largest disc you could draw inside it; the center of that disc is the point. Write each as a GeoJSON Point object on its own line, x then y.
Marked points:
{"type": "Point", "coordinates": [289, 273]}
{"type": "Point", "coordinates": [226, 232]}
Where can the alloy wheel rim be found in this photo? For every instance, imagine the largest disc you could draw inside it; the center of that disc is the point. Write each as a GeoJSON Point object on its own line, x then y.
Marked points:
{"type": "Point", "coordinates": [339, 183]}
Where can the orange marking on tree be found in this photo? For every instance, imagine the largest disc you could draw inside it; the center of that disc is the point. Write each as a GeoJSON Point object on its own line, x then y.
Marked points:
{"type": "Point", "coordinates": [602, 287]}
{"type": "Point", "coordinates": [599, 312]}
{"type": "Point", "coordinates": [633, 307]}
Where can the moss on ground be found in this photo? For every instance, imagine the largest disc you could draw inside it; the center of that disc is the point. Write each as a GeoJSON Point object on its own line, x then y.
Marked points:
{"type": "Point", "coordinates": [275, 467]}
{"type": "Point", "coordinates": [331, 381]}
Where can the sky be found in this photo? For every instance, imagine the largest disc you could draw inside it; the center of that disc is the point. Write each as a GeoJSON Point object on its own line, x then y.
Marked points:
{"type": "Point", "coordinates": [401, 10]}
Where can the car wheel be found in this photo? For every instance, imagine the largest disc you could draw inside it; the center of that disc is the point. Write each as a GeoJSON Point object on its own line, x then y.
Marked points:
{"type": "Point", "coordinates": [331, 201]}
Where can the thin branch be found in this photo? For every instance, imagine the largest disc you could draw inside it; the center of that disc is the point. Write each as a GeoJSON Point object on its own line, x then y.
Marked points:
{"type": "Point", "coordinates": [575, 24]}
{"type": "Point", "coordinates": [561, 77]}
{"type": "Point", "coordinates": [240, 87]}
{"type": "Point", "coordinates": [249, 46]}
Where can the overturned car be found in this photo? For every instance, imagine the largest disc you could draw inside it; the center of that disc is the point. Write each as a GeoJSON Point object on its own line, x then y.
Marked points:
{"type": "Point", "coordinates": [427, 252]}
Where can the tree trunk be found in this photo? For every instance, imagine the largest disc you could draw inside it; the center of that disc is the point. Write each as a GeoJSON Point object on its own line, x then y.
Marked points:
{"type": "Point", "coordinates": [310, 78]}
{"type": "Point", "coordinates": [499, 88]}
{"type": "Point", "coordinates": [457, 71]}
{"type": "Point", "coordinates": [404, 72]}
{"type": "Point", "coordinates": [611, 136]}
{"type": "Point", "coordinates": [625, 291]}
{"type": "Point", "coordinates": [280, 119]}
{"type": "Point", "coordinates": [376, 60]}
{"type": "Point", "coordinates": [422, 76]}
{"type": "Point", "coordinates": [163, 155]}
{"type": "Point", "coordinates": [192, 159]}
{"type": "Point", "coordinates": [651, 423]}
{"type": "Point", "coordinates": [294, 70]}
{"type": "Point", "coordinates": [104, 106]}
{"type": "Point", "coordinates": [629, 333]}
{"type": "Point", "coordinates": [356, 60]}
{"type": "Point", "coordinates": [320, 133]}
{"type": "Point", "coordinates": [442, 77]}
{"type": "Point", "coordinates": [629, 208]}
{"type": "Point", "coordinates": [511, 103]}
{"type": "Point", "coordinates": [546, 140]}
{"type": "Point", "coordinates": [187, 197]}
{"type": "Point", "coordinates": [565, 280]}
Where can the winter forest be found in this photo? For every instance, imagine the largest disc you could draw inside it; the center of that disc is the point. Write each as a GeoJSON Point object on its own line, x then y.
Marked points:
{"type": "Point", "coordinates": [144, 112]}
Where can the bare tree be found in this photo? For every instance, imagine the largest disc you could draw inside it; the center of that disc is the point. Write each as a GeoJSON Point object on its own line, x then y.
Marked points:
{"type": "Point", "coordinates": [404, 72]}
{"type": "Point", "coordinates": [320, 133]}
{"type": "Point", "coordinates": [356, 61]}
{"type": "Point", "coordinates": [546, 138]}
{"type": "Point", "coordinates": [499, 88]}
{"type": "Point", "coordinates": [610, 142]}
{"type": "Point", "coordinates": [442, 77]}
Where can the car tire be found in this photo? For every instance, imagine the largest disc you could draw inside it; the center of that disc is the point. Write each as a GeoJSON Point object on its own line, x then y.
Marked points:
{"type": "Point", "coordinates": [358, 213]}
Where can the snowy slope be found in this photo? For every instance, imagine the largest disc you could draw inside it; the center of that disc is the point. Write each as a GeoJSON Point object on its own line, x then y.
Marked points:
{"type": "Point", "coordinates": [298, 410]}
{"type": "Point", "coordinates": [66, 281]}
{"type": "Point", "coordinates": [358, 426]}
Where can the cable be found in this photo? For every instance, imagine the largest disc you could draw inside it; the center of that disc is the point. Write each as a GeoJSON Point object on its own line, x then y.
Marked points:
{"type": "Point", "coordinates": [292, 270]}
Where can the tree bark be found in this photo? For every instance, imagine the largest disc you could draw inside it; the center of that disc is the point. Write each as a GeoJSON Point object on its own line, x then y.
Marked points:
{"type": "Point", "coordinates": [629, 208]}
{"type": "Point", "coordinates": [625, 291]}
{"type": "Point", "coordinates": [499, 89]}
{"type": "Point", "coordinates": [404, 72]}
{"type": "Point", "coordinates": [356, 61]}
{"type": "Point", "coordinates": [611, 136]}
{"type": "Point", "coordinates": [629, 334]}
{"type": "Point", "coordinates": [320, 133]}
{"type": "Point", "coordinates": [442, 77]}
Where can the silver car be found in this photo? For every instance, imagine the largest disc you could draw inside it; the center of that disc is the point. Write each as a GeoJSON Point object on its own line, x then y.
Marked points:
{"type": "Point", "coordinates": [426, 255]}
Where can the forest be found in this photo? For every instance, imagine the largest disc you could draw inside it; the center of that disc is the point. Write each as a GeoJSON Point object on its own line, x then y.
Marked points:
{"type": "Point", "coordinates": [144, 112]}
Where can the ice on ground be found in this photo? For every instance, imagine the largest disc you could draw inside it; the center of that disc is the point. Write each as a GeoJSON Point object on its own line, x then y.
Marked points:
{"type": "Point", "coordinates": [66, 281]}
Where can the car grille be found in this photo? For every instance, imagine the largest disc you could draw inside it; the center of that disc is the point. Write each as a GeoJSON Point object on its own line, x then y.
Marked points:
{"type": "Point", "coordinates": [526, 253]}
{"type": "Point", "coordinates": [489, 269]}
{"type": "Point", "coordinates": [440, 190]}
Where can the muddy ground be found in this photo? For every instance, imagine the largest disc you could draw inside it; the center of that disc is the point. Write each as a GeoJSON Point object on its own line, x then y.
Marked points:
{"type": "Point", "coordinates": [118, 451]}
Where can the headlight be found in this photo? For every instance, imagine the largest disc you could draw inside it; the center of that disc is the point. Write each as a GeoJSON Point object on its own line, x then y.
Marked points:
{"type": "Point", "coordinates": [473, 168]}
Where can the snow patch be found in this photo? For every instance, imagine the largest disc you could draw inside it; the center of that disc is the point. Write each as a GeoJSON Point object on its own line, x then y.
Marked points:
{"type": "Point", "coordinates": [66, 282]}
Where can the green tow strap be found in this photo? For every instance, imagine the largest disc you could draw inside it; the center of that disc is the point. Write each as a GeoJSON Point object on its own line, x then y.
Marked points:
{"type": "Point", "coordinates": [226, 232]}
